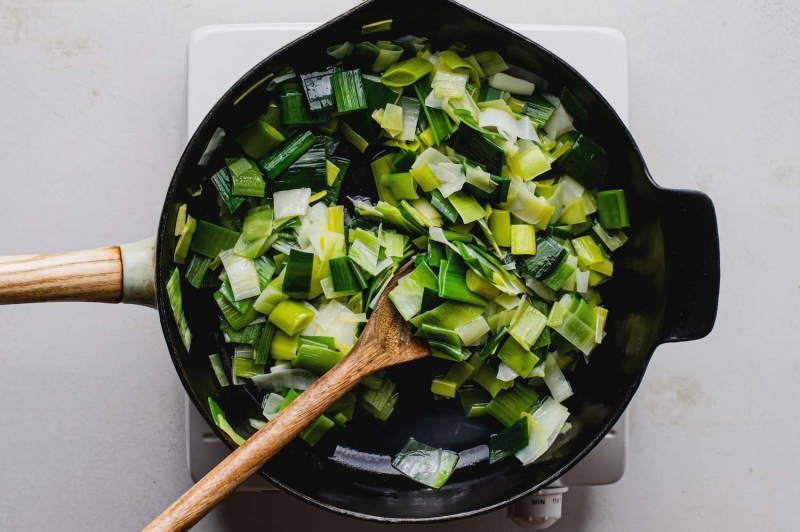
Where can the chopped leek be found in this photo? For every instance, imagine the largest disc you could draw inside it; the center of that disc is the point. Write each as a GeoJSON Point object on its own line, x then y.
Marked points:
{"type": "Point", "coordinates": [406, 73]}
{"type": "Point", "coordinates": [222, 423]}
{"type": "Point", "coordinates": [184, 242]}
{"type": "Point", "coordinates": [491, 63]}
{"type": "Point", "coordinates": [383, 25]}
{"type": "Point", "coordinates": [290, 203]}
{"type": "Point", "coordinates": [504, 82]}
{"type": "Point", "coordinates": [197, 269]}
{"type": "Point", "coordinates": [546, 424]}
{"type": "Point", "coordinates": [489, 189]}
{"type": "Point", "coordinates": [558, 385]}
{"type": "Point", "coordinates": [523, 239]}
{"type": "Point", "coordinates": [613, 209]}
{"type": "Point", "coordinates": [291, 316]}
{"type": "Point", "coordinates": [473, 401]}
{"type": "Point", "coordinates": [349, 91]}
{"type": "Point", "coordinates": [295, 379]}
{"type": "Point", "coordinates": [510, 441]}
{"type": "Point", "coordinates": [242, 275]}
{"type": "Point", "coordinates": [364, 250]}
{"type": "Point", "coordinates": [219, 371]}
{"type": "Point", "coordinates": [517, 357]}
{"type": "Point", "coordinates": [548, 256]}
{"type": "Point", "coordinates": [467, 207]}
{"type": "Point", "coordinates": [310, 170]}
{"type": "Point", "coordinates": [280, 159]}
{"type": "Point", "coordinates": [453, 282]}
{"type": "Point", "coordinates": [424, 464]}
{"type": "Point", "coordinates": [318, 87]}
{"type": "Point", "coordinates": [246, 177]}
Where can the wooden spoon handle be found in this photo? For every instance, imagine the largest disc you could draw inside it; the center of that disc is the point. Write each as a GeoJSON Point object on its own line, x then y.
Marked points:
{"type": "Point", "coordinates": [90, 275]}
{"type": "Point", "coordinates": [264, 444]}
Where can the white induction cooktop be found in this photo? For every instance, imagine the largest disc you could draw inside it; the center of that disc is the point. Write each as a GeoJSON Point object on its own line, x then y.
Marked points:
{"type": "Point", "coordinates": [218, 55]}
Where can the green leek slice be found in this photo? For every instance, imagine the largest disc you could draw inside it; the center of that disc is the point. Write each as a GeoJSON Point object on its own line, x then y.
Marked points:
{"type": "Point", "coordinates": [246, 177]}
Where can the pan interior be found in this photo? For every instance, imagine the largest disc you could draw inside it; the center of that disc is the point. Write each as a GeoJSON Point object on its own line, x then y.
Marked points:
{"type": "Point", "coordinates": [349, 470]}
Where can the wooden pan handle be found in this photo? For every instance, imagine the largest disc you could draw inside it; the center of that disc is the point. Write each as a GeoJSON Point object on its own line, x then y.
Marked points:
{"type": "Point", "coordinates": [264, 444]}
{"type": "Point", "coordinates": [90, 275]}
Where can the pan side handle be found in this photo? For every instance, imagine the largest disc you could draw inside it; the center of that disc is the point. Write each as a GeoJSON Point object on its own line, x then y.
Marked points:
{"type": "Point", "coordinates": [691, 249]}
{"type": "Point", "coordinates": [111, 274]}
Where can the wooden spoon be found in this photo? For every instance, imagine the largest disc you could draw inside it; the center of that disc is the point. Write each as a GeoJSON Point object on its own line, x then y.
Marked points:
{"type": "Point", "coordinates": [385, 341]}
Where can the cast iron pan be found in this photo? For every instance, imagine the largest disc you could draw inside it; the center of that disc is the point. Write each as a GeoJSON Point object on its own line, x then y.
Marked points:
{"type": "Point", "coordinates": [665, 289]}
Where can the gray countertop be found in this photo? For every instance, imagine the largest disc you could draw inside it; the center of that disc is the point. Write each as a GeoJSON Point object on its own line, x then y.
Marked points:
{"type": "Point", "coordinates": [91, 107]}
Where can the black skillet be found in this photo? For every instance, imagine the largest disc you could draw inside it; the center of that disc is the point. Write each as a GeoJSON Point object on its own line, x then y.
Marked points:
{"type": "Point", "coordinates": [665, 289]}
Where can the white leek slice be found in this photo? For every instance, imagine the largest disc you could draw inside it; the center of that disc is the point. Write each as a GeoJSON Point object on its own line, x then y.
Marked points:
{"type": "Point", "coordinates": [556, 199]}
{"type": "Point", "coordinates": [271, 405]}
{"type": "Point", "coordinates": [335, 319]}
{"type": "Point", "coordinates": [560, 122]}
{"type": "Point", "coordinates": [257, 423]}
{"type": "Point", "coordinates": [449, 174]}
{"type": "Point", "coordinates": [472, 332]}
{"type": "Point", "coordinates": [244, 351]}
{"type": "Point", "coordinates": [537, 371]}
{"type": "Point", "coordinates": [213, 144]}
{"type": "Point", "coordinates": [527, 207]}
{"type": "Point", "coordinates": [291, 202]}
{"type": "Point", "coordinates": [554, 379]}
{"type": "Point", "coordinates": [411, 110]}
{"type": "Point", "coordinates": [382, 265]}
{"type": "Point", "coordinates": [505, 373]}
{"type": "Point", "coordinates": [329, 313]}
{"type": "Point", "coordinates": [541, 289]}
{"type": "Point", "coordinates": [430, 156]}
{"type": "Point", "coordinates": [581, 281]}
{"type": "Point", "coordinates": [449, 85]}
{"type": "Point", "coordinates": [364, 250]}
{"type": "Point", "coordinates": [393, 119]}
{"type": "Point", "coordinates": [481, 179]}
{"type": "Point", "coordinates": [572, 189]}
{"type": "Point", "coordinates": [427, 210]}
{"type": "Point", "coordinates": [427, 465]}
{"type": "Point", "coordinates": [433, 102]}
{"type": "Point", "coordinates": [525, 130]}
{"type": "Point", "coordinates": [296, 379]}
{"type": "Point", "coordinates": [546, 424]}
{"type": "Point", "coordinates": [407, 297]}
{"type": "Point", "coordinates": [507, 301]}
{"type": "Point", "coordinates": [504, 82]}
{"type": "Point", "coordinates": [466, 103]}
{"type": "Point", "coordinates": [312, 228]}
{"type": "Point", "coordinates": [503, 122]}
{"type": "Point", "coordinates": [242, 275]}
{"type": "Point", "coordinates": [437, 235]}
